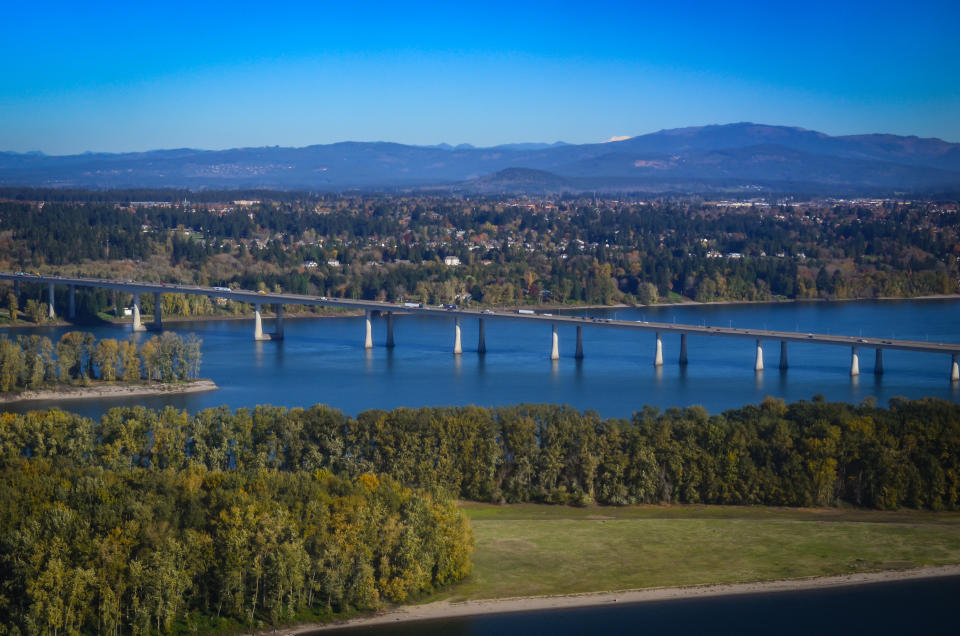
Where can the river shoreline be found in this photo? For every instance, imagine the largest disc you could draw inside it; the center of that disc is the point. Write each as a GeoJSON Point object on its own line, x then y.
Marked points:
{"type": "Point", "coordinates": [446, 609]}
{"type": "Point", "coordinates": [109, 391]}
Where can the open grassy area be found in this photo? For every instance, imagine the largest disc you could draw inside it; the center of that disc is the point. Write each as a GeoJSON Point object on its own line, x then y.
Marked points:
{"type": "Point", "coordinates": [527, 550]}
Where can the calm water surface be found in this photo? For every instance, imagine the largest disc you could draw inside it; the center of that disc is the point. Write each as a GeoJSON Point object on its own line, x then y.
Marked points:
{"type": "Point", "coordinates": [903, 608]}
{"type": "Point", "coordinates": [322, 360]}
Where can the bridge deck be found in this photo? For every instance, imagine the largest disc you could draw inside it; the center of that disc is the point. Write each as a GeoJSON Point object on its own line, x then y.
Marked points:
{"type": "Point", "coordinates": [253, 297]}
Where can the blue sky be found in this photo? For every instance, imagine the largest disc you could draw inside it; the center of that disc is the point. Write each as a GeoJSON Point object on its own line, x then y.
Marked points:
{"type": "Point", "coordinates": [132, 76]}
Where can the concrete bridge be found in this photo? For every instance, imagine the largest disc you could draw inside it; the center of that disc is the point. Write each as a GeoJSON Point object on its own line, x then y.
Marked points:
{"type": "Point", "coordinates": [386, 309]}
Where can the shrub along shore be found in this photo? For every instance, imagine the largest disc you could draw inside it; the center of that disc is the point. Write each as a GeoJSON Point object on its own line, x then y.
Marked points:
{"type": "Point", "coordinates": [157, 519]}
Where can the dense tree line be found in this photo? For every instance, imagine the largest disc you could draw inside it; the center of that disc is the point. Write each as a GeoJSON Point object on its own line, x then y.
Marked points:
{"type": "Point", "coordinates": [137, 551]}
{"type": "Point", "coordinates": [34, 362]}
{"type": "Point", "coordinates": [801, 454]}
{"type": "Point", "coordinates": [148, 520]}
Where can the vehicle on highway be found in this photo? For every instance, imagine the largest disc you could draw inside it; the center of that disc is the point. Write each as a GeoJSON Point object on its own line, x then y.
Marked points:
{"type": "Point", "coordinates": [223, 289]}
{"type": "Point", "coordinates": [526, 312]}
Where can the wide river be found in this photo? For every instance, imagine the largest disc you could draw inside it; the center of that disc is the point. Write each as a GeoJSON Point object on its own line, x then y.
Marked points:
{"type": "Point", "coordinates": [323, 360]}
{"type": "Point", "coordinates": [907, 607]}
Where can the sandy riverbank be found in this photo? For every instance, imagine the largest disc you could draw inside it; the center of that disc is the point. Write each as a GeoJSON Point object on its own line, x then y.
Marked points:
{"type": "Point", "coordinates": [446, 609]}
{"type": "Point", "coordinates": [109, 391]}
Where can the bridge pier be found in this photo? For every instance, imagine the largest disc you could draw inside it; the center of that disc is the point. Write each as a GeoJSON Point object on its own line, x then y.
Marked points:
{"type": "Point", "coordinates": [658, 354]}
{"type": "Point", "coordinates": [278, 326]}
{"type": "Point", "coordinates": [758, 365]}
{"type": "Point", "coordinates": [368, 331]}
{"type": "Point", "coordinates": [783, 355]}
{"type": "Point", "coordinates": [73, 302]}
{"type": "Point", "coordinates": [878, 362]}
{"type": "Point", "coordinates": [16, 289]}
{"type": "Point", "coordinates": [137, 324]}
{"type": "Point", "coordinates": [116, 305]}
{"type": "Point", "coordinates": [954, 370]}
{"type": "Point", "coordinates": [157, 312]}
{"type": "Point", "coordinates": [51, 314]}
{"type": "Point", "coordinates": [481, 338]}
{"type": "Point", "coordinates": [457, 348]}
{"type": "Point", "coordinates": [579, 354]}
{"type": "Point", "coordinates": [555, 343]}
{"type": "Point", "coordinates": [390, 342]}
{"type": "Point", "coordinates": [683, 349]}
{"type": "Point", "coordinates": [258, 325]}
{"type": "Point", "coordinates": [854, 362]}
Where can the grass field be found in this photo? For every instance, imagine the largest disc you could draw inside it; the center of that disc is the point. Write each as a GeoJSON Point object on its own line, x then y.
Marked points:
{"type": "Point", "coordinates": [531, 550]}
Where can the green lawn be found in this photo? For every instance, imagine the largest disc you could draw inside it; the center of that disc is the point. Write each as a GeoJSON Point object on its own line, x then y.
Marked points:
{"type": "Point", "coordinates": [525, 550]}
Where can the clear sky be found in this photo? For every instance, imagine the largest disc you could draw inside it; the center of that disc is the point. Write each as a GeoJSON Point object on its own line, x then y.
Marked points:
{"type": "Point", "coordinates": [105, 76]}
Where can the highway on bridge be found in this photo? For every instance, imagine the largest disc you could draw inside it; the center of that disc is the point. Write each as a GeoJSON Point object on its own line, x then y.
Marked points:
{"type": "Point", "coordinates": [265, 298]}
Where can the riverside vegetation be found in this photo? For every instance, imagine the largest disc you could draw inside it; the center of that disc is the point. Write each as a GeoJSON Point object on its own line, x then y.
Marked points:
{"type": "Point", "coordinates": [154, 520]}
{"type": "Point", "coordinates": [34, 362]}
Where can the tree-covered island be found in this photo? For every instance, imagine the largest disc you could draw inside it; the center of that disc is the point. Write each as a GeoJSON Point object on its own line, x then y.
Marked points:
{"type": "Point", "coordinates": [79, 365]}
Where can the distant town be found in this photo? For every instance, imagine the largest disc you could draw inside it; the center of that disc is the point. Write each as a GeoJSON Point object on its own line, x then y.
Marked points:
{"type": "Point", "coordinates": [494, 250]}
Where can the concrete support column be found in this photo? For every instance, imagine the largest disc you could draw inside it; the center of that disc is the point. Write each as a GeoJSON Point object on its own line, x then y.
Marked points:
{"type": "Point", "coordinates": [783, 355]}
{"type": "Point", "coordinates": [758, 366]}
{"type": "Point", "coordinates": [116, 305]}
{"type": "Point", "coordinates": [555, 346]}
{"type": "Point", "coordinates": [368, 332]}
{"type": "Point", "coordinates": [137, 325]}
{"type": "Point", "coordinates": [278, 333]}
{"type": "Point", "coordinates": [73, 302]}
{"type": "Point", "coordinates": [257, 323]}
{"type": "Point", "coordinates": [658, 355]}
{"type": "Point", "coordinates": [683, 349]}
{"type": "Point", "coordinates": [457, 348]}
{"type": "Point", "coordinates": [579, 354]}
{"type": "Point", "coordinates": [389, 329]}
{"type": "Point", "coordinates": [16, 289]}
{"type": "Point", "coordinates": [157, 311]}
{"type": "Point", "coordinates": [878, 362]}
{"type": "Point", "coordinates": [481, 338]}
{"type": "Point", "coordinates": [954, 370]}
{"type": "Point", "coordinates": [51, 314]}
{"type": "Point", "coordinates": [854, 361]}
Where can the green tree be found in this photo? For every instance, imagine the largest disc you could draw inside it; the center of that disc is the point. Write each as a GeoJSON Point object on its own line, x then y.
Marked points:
{"type": "Point", "coordinates": [13, 306]}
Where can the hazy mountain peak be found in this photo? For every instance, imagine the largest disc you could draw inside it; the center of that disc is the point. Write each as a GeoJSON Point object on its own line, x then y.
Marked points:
{"type": "Point", "coordinates": [697, 157]}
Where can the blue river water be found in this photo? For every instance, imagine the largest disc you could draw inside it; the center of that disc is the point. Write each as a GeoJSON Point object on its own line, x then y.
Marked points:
{"type": "Point", "coordinates": [322, 360]}
{"type": "Point", "coordinates": [926, 606]}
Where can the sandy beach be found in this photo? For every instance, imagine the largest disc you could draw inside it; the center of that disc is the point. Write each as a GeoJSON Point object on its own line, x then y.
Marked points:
{"type": "Point", "coordinates": [446, 609]}
{"type": "Point", "coordinates": [108, 391]}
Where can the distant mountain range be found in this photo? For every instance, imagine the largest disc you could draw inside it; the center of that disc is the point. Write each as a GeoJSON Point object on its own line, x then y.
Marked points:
{"type": "Point", "coordinates": [731, 157]}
